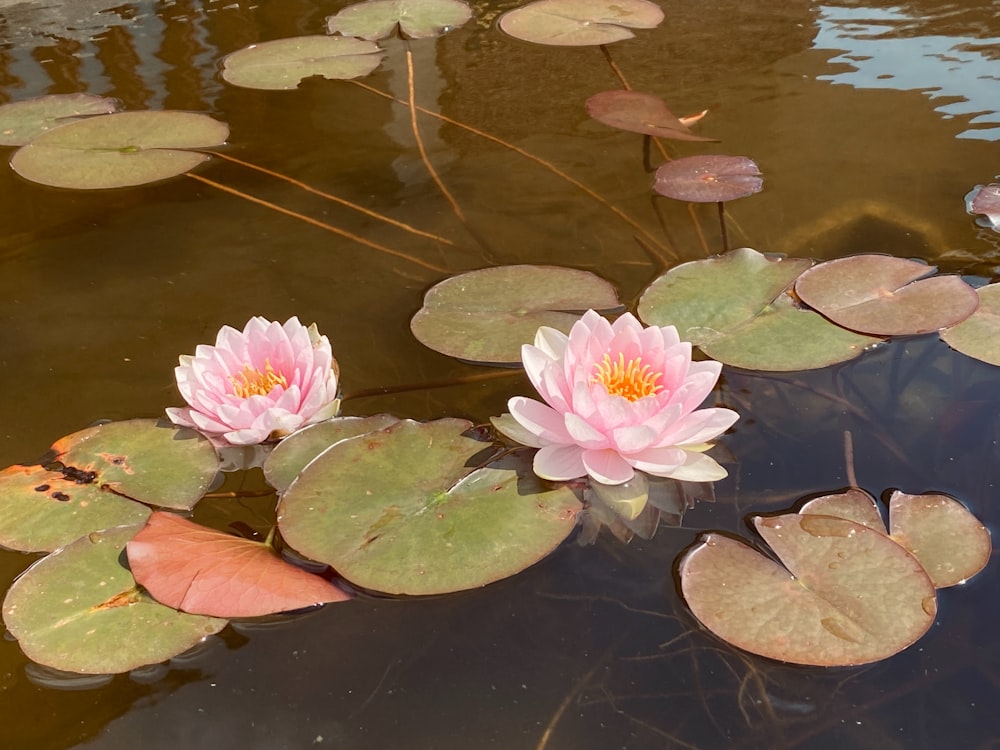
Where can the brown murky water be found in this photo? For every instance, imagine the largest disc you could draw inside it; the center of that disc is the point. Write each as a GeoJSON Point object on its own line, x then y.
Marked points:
{"type": "Point", "coordinates": [870, 124]}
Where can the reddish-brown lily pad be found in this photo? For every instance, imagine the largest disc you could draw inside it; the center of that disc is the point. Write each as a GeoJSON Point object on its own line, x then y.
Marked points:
{"type": "Point", "coordinates": [640, 113]}
{"type": "Point", "coordinates": [708, 178]}
{"type": "Point", "coordinates": [983, 202]}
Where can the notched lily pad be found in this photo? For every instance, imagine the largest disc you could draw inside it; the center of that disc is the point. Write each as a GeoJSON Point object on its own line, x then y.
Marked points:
{"type": "Point", "coordinates": [640, 113]}
{"type": "Point", "coordinates": [885, 296]}
{"type": "Point", "coordinates": [21, 121]}
{"type": "Point", "coordinates": [708, 178]}
{"type": "Point", "coordinates": [206, 572]}
{"type": "Point", "coordinates": [580, 22]}
{"type": "Point", "coordinates": [119, 150]}
{"type": "Point", "coordinates": [79, 610]}
{"type": "Point", "coordinates": [417, 509]}
{"type": "Point", "coordinates": [487, 315]}
{"type": "Point", "coordinates": [978, 336]}
{"type": "Point", "coordinates": [282, 64]}
{"type": "Point", "coordinates": [983, 202]}
{"type": "Point", "coordinates": [416, 19]}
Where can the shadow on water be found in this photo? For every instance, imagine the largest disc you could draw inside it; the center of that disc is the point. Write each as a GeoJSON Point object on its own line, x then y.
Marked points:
{"type": "Point", "coordinates": [592, 648]}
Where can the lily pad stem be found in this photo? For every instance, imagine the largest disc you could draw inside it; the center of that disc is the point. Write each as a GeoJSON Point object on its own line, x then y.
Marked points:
{"type": "Point", "coordinates": [722, 226]}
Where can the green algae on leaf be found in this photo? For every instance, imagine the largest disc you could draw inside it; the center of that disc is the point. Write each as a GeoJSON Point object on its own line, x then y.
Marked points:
{"type": "Point", "coordinates": [22, 121]}
{"type": "Point", "coordinates": [575, 23]}
{"type": "Point", "coordinates": [119, 150]}
{"type": "Point", "coordinates": [79, 610]}
{"type": "Point", "coordinates": [417, 508]}
{"type": "Point", "coordinates": [487, 315]}
{"type": "Point", "coordinates": [282, 64]}
{"type": "Point", "coordinates": [416, 19]}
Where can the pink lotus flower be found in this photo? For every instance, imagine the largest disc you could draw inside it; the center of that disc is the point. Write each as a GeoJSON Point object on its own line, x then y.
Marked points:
{"type": "Point", "coordinates": [263, 383]}
{"type": "Point", "coordinates": [619, 398]}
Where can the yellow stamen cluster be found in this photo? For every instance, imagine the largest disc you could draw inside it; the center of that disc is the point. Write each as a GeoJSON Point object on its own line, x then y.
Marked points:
{"type": "Point", "coordinates": [631, 379]}
{"type": "Point", "coordinates": [252, 382]}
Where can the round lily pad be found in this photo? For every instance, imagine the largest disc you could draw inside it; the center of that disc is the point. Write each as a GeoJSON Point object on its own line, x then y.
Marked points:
{"type": "Point", "coordinates": [406, 511]}
{"type": "Point", "coordinates": [119, 150]}
{"type": "Point", "coordinates": [853, 504]}
{"type": "Point", "coordinates": [983, 202]}
{"type": "Point", "coordinates": [978, 336]}
{"type": "Point", "coordinates": [580, 22]}
{"type": "Point", "coordinates": [416, 19]}
{"type": "Point", "coordinates": [282, 64]}
{"type": "Point", "coordinates": [639, 113]}
{"type": "Point", "coordinates": [708, 178]}
{"type": "Point", "coordinates": [79, 610]}
{"type": "Point", "coordinates": [487, 315]}
{"type": "Point", "coordinates": [21, 121]}
{"type": "Point", "coordinates": [885, 296]}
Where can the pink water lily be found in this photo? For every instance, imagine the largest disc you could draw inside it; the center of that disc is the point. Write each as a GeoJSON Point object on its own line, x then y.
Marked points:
{"type": "Point", "coordinates": [263, 382]}
{"type": "Point", "coordinates": [618, 398]}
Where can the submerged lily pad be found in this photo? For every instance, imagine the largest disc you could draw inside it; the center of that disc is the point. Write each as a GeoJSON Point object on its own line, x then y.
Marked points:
{"type": "Point", "coordinates": [416, 19]}
{"type": "Point", "coordinates": [639, 113]}
{"type": "Point", "coordinates": [487, 315]}
{"type": "Point", "coordinates": [884, 296]}
{"type": "Point", "coordinates": [978, 336]}
{"type": "Point", "coordinates": [406, 511]}
{"type": "Point", "coordinates": [206, 572]}
{"type": "Point", "coordinates": [708, 178]}
{"type": "Point", "coordinates": [79, 610]}
{"type": "Point", "coordinates": [580, 22]}
{"type": "Point", "coordinates": [282, 64]}
{"type": "Point", "coordinates": [96, 472]}
{"type": "Point", "coordinates": [119, 150]}
{"type": "Point", "coordinates": [24, 120]}
{"type": "Point", "coordinates": [734, 308]}
{"type": "Point", "coordinates": [983, 202]}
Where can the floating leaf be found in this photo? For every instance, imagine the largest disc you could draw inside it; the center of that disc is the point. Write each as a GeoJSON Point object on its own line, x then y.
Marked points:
{"type": "Point", "coordinates": [21, 121]}
{"type": "Point", "coordinates": [282, 64]}
{"type": "Point", "coordinates": [853, 504]}
{"type": "Point", "coordinates": [98, 470]}
{"type": "Point", "coordinates": [487, 315]}
{"type": "Point", "coordinates": [79, 610]}
{"type": "Point", "coordinates": [293, 453]}
{"type": "Point", "coordinates": [978, 336]}
{"type": "Point", "coordinates": [853, 595]}
{"type": "Point", "coordinates": [881, 295]}
{"type": "Point", "coordinates": [708, 178]}
{"type": "Point", "coordinates": [950, 542]}
{"type": "Point", "coordinates": [416, 19]}
{"type": "Point", "coordinates": [119, 150]}
{"type": "Point", "coordinates": [206, 572]}
{"type": "Point", "coordinates": [732, 306]}
{"type": "Point", "coordinates": [639, 113]}
{"type": "Point", "coordinates": [406, 511]}
{"type": "Point", "coordinates": [580, 22]}
{"type": "Point", "coordinates": [983, 202]}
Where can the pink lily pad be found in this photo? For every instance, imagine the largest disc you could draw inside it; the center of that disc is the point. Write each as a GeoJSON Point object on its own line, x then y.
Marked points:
{"type": "Point", "coordinates": [639, 113]}
{"type": "Point", "coordinates": [708, 178]}
{"type": "Point", "coordinates": [205, 572]}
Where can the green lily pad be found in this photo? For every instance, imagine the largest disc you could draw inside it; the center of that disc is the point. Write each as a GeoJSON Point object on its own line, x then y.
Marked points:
{"type": "Point", "coordinates": [98, 470]}
{"type": "Point", "coordinates": [577, 23]}
{"type": "Point", "coordinates": [282, 64]}
{"type": "Point", "coordinates": [639, 113]}
{"type": "Point", "coordinates": [293, 453]}
{"type": "Point", "coordinates": [978, 336]}
{"type": "Point", "coordinates": [24, 120]}
{"type": "Point", "coordinates": [885, 296]}
{"type": "Point", "coordinates": [847, 594]}
{"type": "Point", "coordinates": [416, 19]}
{"type": "Point", "coordinates": [79, 610]}
{"type": "Point", "coordinates": [119, 150]}
{"type": "Point", "coordinates": [487, 315]}
{"type": "Point", "coordinates": [406, 511]}
{"type": "Point", "coordinates": [734, 308]}
{"type": "Point", "coordinates": [708, 178]}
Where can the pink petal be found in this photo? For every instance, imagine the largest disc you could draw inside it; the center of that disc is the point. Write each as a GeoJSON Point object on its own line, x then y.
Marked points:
{"type": "Point", "coordinates": [699, 426]}
{"type": "Point", "coordinates": [584, 434]}
{"type": "Point", "coordinates": [559, 463]}
{"type": "Point", "coordinates": [660, 462]}
{"type": "Point", "coordinates": [632, 439]}
{"type": "Point", "coordinates": [540, 420]}
{"type": "Point", "coordinates": [607, 467]}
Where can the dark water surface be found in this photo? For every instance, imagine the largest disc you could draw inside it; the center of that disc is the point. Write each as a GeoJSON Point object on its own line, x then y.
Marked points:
{"type": "Point", "coordinates": [870, 124]}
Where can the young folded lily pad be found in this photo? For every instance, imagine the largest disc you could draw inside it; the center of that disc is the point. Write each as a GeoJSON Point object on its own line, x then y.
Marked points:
{"type": "Point", "coordinates": [885, 296]}
{"type": "Point", "coordinates": [416, 19]}
{"type": "Point", "coordinates": [79, 610]}
{"type": "Point", "coordinates": [21, 121]}
{"type": "Point", "coordinates": [983, 202]}
{"type": "Point", "coordinates": [708, 178]}
{"type": "Point", "coordinates": [641, 113]}
{"type": "Point", "coordinates": [575, 23]}
{"type": "Point", "coordinates": [487, 315]}
{"type": "Point", "coordinates": [119, 150]}
{"type": "Point", "coordinates": [978, 336]}
{"type": "Point", "coordinates": [282, 64]}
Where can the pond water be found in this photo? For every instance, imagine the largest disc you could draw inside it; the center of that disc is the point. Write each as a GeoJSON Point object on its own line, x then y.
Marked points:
{"type": "Point", "coordinates": [870, 123]}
